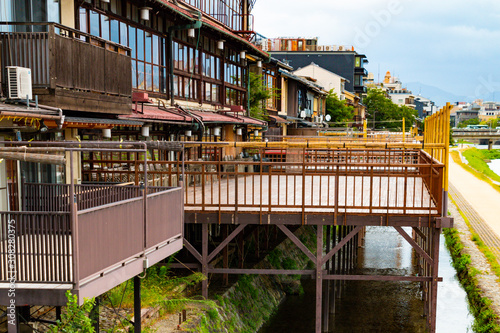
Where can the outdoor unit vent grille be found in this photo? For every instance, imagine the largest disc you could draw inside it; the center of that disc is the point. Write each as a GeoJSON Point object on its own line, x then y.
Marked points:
{"type": "Point", "coordinates": [19, 82]}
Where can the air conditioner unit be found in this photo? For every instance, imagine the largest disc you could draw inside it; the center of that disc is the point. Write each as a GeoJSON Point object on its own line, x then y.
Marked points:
{"type": "Point", "coordinates": [316, 119]}
{"type": "Point", "coordinates": [302, 114]}
{"type": "Point", "coordinates": [328, 48]}
{"type": "Point", "coordinates": [19, 82]}
{"type": "Point", "coordinates": [320, 48]}
{"type": "Point", "coordinates": [341, 48]}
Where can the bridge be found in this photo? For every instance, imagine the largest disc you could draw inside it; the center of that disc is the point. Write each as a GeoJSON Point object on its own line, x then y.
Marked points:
{"type": "Point", "coordinates": [483, 136]}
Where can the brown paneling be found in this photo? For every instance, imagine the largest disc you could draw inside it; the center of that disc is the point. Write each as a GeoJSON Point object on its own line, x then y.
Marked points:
{"type": "Point", "coordinates": [164, 213]}
{"type": "Point", "coordinates": [109, 235]}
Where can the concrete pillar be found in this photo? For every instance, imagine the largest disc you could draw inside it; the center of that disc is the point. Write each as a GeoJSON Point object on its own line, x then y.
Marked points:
{"type": "Point", "coordinates": [68, 13]}
{"type": "Point", "coordinates": [71, 134]}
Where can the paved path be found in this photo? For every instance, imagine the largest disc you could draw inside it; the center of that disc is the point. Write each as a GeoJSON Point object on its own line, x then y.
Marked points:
{"type": "Point", "coordinates": [479, 202]}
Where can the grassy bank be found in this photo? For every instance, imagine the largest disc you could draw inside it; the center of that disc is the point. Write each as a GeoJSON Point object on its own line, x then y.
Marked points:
{"type": "Point", "coordinates": [485, 318]}
{"type": "Point", "coordinates": [476, 173]}
{"type": "Point", "coordinates": [248, 304]}
{"type": "Point", "coordinates": [478, 158]}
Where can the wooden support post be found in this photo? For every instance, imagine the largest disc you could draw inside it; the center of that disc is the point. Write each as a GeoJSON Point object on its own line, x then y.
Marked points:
{"type": "Point", "coordinates": [434, 284]}
{"type": "Point", "coordinates": [256, 238]}
{"type": "Point", "coordinates": [58, 313]}
{"type": "Point", "coordinates": [204, 259]}
{"type": "Point", "coordinates": [137, 304]}
{"type": "Point", "coordinates": [333, 270]}
{"type": "Point", "coordinates": [94, 314]}
{"type": "Point", "coordinates": [326, 286]}
{"type": "Point", "coordinates": [338, 267]}
{"type": "Point", "coordinates": [319, 279]}
{"type": "Point", "coordinates": [241, 250]}
{"type": "Point", "coordinates": [225, 254]}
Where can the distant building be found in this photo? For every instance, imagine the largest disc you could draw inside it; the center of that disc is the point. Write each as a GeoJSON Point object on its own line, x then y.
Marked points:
{"type": "Point", "coordinates": [424, 106]}
{"type": "Point", "coordinates": [398, 94]}
{"type": "Point", "coordinates": [346, 63]}
{"type": "Point", "coordinates": [328, 80]}
{"type": "Point", "coordinates": [490, 110]}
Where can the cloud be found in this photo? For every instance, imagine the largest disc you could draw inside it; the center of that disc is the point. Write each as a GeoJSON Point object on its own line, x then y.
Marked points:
{"type": "Point", "coordinates": [450, 44]}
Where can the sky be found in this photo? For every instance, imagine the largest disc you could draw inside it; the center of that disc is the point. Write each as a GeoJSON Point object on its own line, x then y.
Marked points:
{"type": "Point", "coordinates": [451, 45]}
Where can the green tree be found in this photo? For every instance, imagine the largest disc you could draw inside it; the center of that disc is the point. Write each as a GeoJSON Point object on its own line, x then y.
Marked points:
{"type": "Point", "coordinates": [337, 109]}
{"type": "Point", "coordinates": [386, 113]}
{"type": "Point", "coordinates": [259, 93]}
{"type": "Point", "coordinates": [473, 121]}
{"type": "Point", "coordinates": [76, 319]}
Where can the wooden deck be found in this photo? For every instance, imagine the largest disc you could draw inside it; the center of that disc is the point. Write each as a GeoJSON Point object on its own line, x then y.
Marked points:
{"type": "Point", "coordinates": [358, 195]}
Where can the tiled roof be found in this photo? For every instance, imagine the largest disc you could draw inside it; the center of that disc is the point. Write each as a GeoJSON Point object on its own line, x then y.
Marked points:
{"type": "Point", "coordinates": [115, 122]}
{"type": "Point", "coordinates": [176, 115]}
{"type": "Point", "coordinates": [149, 112]}
{"type": "Point", "coordinates": [213, 117]}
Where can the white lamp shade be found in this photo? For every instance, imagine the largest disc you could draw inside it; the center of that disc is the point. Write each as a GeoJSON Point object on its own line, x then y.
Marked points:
{"type": "Point", "coordinates": [259, 63]}
{"type": "Point", "coordinates": [239, 131]}
{"type": "Point", "coordinates": [243, 55]}
{"type": "Point", "coordinates": [106, 133]}
{"type": "Point", "coordinates": [217, 131]}
{"type": "Point", "coordinates": [220, 44]}
{"type": "Point", "coordinates": [191, 33]}
{"type": "Point", "coordinates": [256, 133]}
{"type": "Point", "coordinates": [145, 13]}
{"type": "Point", "coordinates": [145, 131]}
{"type": "Point", "coordinates": [188, 133]}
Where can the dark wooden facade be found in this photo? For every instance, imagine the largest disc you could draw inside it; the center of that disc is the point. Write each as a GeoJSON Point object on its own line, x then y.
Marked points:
{"type": "Point", "coordinates": [72, 70]}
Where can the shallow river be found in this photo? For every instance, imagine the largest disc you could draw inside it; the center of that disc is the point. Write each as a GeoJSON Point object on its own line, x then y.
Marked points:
{"type": "Point", "coordinates": [495, 166]}
{"type": "Point", "coordinates": [370, 306]}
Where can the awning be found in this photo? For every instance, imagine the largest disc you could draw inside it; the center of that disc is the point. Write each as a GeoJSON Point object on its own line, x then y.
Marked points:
{"type": "Point", "coordinates": [279, 120]}
{"type": "Point", "coordinates": [186, 116]}
{"type": "Point", "coordinates": [150, 113]}
{"type": "Point", "coordinates": [29, 115]}
{"type": "Point", "coordinates": [214, 117]}
{"type": "Point", "coordinates": [97, 123]}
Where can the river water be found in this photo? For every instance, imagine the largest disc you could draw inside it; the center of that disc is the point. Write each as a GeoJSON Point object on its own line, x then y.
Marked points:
{"type": "Point", "coordinates": [495, 166]}
{"type": "Point", "coordinates": [371, 306]}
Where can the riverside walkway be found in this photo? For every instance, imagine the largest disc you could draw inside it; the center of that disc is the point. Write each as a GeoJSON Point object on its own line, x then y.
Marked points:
{"type": "Point", "coordinates": [479, 202]}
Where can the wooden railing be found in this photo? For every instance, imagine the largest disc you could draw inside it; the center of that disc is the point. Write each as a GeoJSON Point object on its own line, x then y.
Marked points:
{"type": "Point", "coordinates": [67, 58]}
{"type": "Point", "coordinates": [39, 243]}
{"type": "Point", "coordinates": [347, 181]}
{"type": "Point", "coordinates": [55, 197]}
{"type": "Point", "coordinates": [111, 226]}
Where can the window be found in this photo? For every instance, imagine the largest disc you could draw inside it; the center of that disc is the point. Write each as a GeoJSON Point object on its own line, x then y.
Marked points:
{"type": "Point", "coordinates": [148, 58]}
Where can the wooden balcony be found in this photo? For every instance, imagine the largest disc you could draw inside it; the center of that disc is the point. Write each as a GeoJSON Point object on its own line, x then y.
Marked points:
{"type": "Point", "coordinates": [302, 186]}
{"type": "Point", "coordinates": [99, 244]}
{"type": "Point", "coordinates": [71, 70]}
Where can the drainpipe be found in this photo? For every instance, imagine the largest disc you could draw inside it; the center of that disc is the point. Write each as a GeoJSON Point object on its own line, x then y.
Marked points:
{"type": "Point", "coordinates": [248, 91]}
{"type": "Point", "coordinates": [195, 25]}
